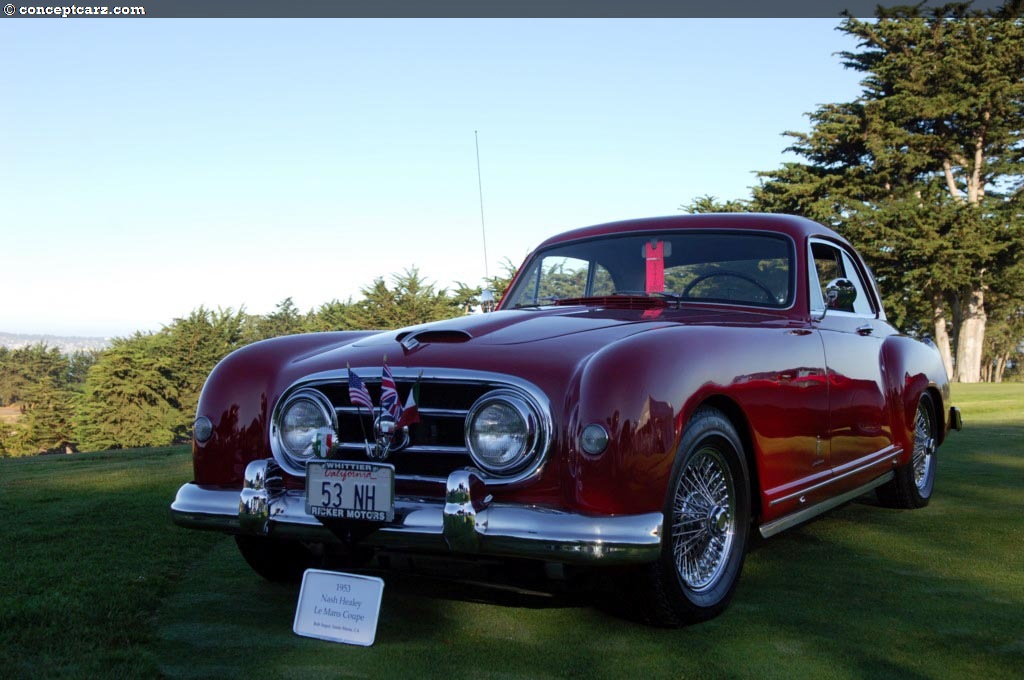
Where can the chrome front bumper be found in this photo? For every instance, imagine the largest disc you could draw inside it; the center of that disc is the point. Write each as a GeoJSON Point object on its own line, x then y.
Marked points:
{"type": "Point", "coordinates": [466, 523]}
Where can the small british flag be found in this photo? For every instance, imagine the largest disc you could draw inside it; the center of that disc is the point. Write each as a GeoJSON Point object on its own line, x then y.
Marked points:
{"type": "Point", "coordinates": [389, 402]}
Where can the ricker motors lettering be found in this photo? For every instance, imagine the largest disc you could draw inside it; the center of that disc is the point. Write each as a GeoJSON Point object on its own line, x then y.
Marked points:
{"type": "Point", "coordinates": [341, 513]}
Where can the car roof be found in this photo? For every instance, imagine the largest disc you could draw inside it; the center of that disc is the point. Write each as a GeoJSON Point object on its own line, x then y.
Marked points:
{"type": "Point", "coordinates": [798, 228]}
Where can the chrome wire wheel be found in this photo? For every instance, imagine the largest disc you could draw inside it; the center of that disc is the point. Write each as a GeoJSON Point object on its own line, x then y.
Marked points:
{"type": "Point", "coordinates": [703, 519]}
{"type": "Point", "coordinates": [923, 459]}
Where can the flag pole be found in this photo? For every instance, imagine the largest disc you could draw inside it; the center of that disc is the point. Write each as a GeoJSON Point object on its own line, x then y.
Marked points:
{"type": "Point", "coordinates": [359, 417]}
{"type": "Point", "coordinates": [366, 442]}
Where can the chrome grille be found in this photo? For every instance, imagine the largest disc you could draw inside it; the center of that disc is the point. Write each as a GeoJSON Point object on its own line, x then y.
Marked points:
{"type": "Point", "coordinates": [437, 443]}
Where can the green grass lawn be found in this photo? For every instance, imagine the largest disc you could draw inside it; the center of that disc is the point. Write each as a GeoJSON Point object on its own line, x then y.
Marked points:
{"type": "Point", "coordinates": [96, 581]}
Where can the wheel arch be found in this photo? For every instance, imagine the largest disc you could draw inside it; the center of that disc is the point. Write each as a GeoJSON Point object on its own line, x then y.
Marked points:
{"type": "Point", "coordinates": [938, 412]}
{"type": "Point", "coordinates": [734, 413]}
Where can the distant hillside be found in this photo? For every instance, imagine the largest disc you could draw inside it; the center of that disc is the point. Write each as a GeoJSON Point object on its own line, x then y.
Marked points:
{"type": "Point", "coordinates": [67, 345]}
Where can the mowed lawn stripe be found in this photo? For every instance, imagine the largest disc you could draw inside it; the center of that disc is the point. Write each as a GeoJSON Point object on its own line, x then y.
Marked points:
{"type": "Point", "coordinates": [98, 582]}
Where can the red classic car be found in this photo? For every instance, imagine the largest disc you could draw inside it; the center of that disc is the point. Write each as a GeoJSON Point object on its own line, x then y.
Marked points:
{"type": "Point", "coordinates": [647, 393]}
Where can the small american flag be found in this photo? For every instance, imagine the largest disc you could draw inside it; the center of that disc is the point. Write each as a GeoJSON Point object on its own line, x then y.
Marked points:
{"type": "Point", "coordinates": [389, 402]}
{"type": "Point", "coordinates": [357, 392]}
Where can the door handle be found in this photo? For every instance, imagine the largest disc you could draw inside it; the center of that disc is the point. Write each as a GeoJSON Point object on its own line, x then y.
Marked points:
{"type": "Point", "coordinates": [866, 329]}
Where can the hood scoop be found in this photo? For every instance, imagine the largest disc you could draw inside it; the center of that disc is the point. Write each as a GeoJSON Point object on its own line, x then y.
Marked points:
{"type": "Point", "coordinates": [410, 340]}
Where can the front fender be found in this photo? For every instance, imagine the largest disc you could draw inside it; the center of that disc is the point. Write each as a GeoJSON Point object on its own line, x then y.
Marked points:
{"type": "Point", "coordinates": [238, 397]}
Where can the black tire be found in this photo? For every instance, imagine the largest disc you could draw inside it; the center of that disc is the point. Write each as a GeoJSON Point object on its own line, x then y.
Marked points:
{"type": "Point", "coordinates": [707, 516]}
{"type": "Point", "coordinates": [914, 482]}
{"type": "Point", "coordinates": [276, 560]}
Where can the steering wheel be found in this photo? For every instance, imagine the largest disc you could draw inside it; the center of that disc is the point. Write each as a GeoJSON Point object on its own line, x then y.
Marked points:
{"type": "Point", "coordinates": [728, 272]}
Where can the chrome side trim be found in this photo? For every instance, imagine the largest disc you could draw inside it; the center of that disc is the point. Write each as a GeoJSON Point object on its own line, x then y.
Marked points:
{"type": "Point", "coordinates": [771, 528]}
{"type": "Point", "coordinates": [466, 522]}
{"type": "Point", "coordinates": [881, 456]}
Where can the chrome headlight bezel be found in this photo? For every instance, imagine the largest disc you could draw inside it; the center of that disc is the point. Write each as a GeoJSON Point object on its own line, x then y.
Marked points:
{"type": "Point", "coordinates": [535, 431]}
{"type": "Point", "coordinates": [293, 461]}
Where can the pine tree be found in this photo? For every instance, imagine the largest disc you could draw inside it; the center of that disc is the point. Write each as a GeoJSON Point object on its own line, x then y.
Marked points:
{"type": "Point", "coordinates": [49, 417]}
{"type": "Point", "coordinates": [924, 170]}
{"type": "Point", "coordinates": [410, 301]}
{"type": "Point", "coordinates": [286, 319]}
{"type": "Point", "coordinates": [131, 396]}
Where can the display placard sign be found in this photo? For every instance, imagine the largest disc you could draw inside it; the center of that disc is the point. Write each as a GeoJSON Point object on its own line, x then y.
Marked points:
{"type": "Point", "coordinates": [339, 607]}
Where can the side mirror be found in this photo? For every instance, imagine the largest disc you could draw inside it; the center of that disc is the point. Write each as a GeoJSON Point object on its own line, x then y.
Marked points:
{"type": "Point", "coordinates": [840, 295]}
{"type": "Point", "coordinates": [487, 303]}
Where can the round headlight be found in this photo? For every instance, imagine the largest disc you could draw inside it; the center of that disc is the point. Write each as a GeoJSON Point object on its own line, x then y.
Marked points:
{"type": "Point", "coordinates": [304, 426]}
{"type": "Point", "coordinates": [502, 431]}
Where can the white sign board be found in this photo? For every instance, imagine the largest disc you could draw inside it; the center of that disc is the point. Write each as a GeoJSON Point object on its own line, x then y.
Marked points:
{"type": "Point", "coordinates": [338, 607]}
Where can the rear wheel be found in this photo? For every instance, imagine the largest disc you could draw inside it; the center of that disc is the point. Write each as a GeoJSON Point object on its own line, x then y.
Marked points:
{"type": "Point", "coordinates": [707, 520]}
{"type": "Point", "coordinates": [914, 482]}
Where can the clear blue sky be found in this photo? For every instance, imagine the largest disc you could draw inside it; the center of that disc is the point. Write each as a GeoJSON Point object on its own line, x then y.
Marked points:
{"type": "Point", "coordinates": [149, 167]}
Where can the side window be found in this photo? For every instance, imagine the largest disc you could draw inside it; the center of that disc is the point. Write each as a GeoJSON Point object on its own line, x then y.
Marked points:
{"type": "Point", "coordinates": [830, 263]}
{"type": "Point", "coordinates": [862, 305]}
{"type": "Point", "coordinates": [828, 266]}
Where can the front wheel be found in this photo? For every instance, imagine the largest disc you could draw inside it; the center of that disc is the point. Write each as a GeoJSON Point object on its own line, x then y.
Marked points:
{"type": "Point", "coordinates": [914, 482]}
{"type": "Point", "coordinates": [707, 521]}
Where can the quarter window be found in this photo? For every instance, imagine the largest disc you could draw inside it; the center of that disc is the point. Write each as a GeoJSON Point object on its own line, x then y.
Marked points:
{"type": "Point", "coordinates": [830, 263]}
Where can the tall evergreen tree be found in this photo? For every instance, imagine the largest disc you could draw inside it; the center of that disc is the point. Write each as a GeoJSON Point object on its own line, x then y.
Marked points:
{"type": "Point", "coordinates": [333, 316]}
{"type": "Point", "coordinates": [924, 170]}
{"type": "Point", "coordinates": [23, 367]}
{"type": "Point", "coordinates": [286, 319]}
{"type": "Point", "coordinates": [131, 396]}
{"type": "Point", "coordinates": [711, 204]}
{"type": "Point", "coordinates": [411, 300]}
{"type": "Point", "coordinates": [49, 417]}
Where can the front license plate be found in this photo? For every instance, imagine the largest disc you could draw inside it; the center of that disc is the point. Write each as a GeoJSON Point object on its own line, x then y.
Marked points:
{"type": "Point", "coordinates": [337, 489]}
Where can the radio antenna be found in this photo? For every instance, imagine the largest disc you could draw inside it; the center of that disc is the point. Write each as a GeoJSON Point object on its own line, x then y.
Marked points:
{"type": "Point", "coordinates": [480, 186]}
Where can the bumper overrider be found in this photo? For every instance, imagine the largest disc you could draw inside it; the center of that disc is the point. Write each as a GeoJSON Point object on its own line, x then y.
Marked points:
{"type": "Point", "coordinates": [467, 522]}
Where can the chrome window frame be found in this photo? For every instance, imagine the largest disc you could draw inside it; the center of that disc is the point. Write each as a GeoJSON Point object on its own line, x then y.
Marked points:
{"type": "Point", "coordinates": [793, 269]}
{"type": "Point", "coordinates": [814, 283]}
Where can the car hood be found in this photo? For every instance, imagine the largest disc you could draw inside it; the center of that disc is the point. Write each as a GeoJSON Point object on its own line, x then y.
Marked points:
{"type": "Point", "coordinates": [515, 327]}
{"type": "Point", "coordinates": [543, 342]}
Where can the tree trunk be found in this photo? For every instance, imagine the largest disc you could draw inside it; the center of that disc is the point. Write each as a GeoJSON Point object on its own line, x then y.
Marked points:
{"type": "Point", "coordinates": [941, 332]}
{"type": "Point", "coordinates": [1001, 367]}
{"type": "Point", "coordinates": [971, 338]}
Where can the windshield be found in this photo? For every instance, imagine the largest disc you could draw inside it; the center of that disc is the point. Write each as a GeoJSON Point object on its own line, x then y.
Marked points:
{"type": "Point", "coordinates": [726, 267]}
